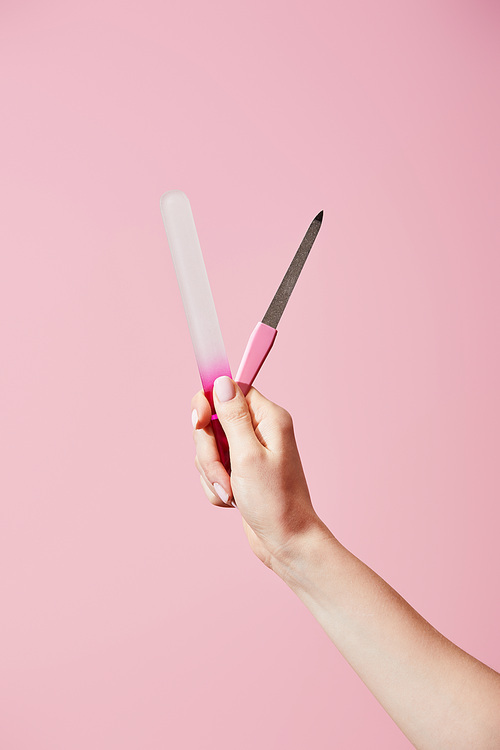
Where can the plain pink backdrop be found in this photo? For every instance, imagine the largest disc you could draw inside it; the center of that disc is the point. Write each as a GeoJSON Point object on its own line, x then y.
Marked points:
{"type": "Point", "coordinates": [133, 614]}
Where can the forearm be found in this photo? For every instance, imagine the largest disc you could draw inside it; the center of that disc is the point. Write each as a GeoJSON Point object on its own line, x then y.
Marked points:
{"type": "Point", "coordinates": [439, 696]}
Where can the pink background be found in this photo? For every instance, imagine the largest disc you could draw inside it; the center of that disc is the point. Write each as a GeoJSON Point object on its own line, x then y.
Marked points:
{"type": "Point", "coordinates": [133, 613]}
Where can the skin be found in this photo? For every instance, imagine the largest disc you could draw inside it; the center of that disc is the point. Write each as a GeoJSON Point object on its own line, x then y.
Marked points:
{"type": "Point", "coordinates": [441, 697]}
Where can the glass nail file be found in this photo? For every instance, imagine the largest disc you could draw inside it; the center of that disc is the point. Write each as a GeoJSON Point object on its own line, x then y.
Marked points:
{"type": "Point", "coordinates": [197, 299]}
{"type": "Point", "coordinates": [263, 335]}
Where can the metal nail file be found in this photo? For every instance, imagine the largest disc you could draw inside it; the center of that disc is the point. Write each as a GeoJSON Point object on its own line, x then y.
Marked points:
{"type": "Point", "coordinates": [263, 335]}
{"type": "Point", "coordinates": [197, 299]}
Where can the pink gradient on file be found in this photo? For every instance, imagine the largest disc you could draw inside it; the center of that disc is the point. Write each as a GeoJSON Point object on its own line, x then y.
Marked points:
{"type": "Point", "coordinates": [211, 372]}
{"type": "Point", "coordinates": [208, 377]}
{"type": "Point", "coordinates": [197, 298]}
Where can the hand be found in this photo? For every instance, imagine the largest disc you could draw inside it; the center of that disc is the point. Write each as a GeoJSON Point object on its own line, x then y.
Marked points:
{"type": "Point", "coordinates": [440, 696]}
{"type": "Point", "coordinates": [267, 482]}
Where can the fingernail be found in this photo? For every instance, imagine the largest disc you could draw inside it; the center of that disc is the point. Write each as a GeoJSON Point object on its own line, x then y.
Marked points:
{"type": "Point", "coordinates": [221, 492]}
{"type": "Point", "coordinates": [194, 418]}
{"type": "Point", "coordinates": [224, 388]}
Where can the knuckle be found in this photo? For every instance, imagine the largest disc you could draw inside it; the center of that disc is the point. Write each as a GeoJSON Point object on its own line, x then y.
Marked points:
{"type": "Point", "coordinates": [238, 416]}
{"type": "Point", "coordinates": [284, 421]}
{"type": "Point", "coordinates": [210, 468]}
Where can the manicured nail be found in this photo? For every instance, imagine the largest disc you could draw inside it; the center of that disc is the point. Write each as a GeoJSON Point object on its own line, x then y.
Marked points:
{"type": "Point", "coordinates": [224, 388]}
{"type": "Point", "coordinates": [194, 418]}
{"type": "Point", "coordinates": [221, 492]}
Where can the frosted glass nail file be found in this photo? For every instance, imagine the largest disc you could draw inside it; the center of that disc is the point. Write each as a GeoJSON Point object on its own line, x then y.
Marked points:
{"type": "Point", "coordinates": [197, 299]}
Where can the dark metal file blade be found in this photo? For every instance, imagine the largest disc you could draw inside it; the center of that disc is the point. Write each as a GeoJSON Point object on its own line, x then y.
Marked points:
{"type": "Point", "coordinates": [263, 335]}
{"type": "Point", "coordinates": [280, 299]}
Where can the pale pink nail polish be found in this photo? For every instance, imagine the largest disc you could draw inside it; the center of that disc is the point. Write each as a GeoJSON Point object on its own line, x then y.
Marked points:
{"type": "Point", "coordinates": [224, 388]}
{"type": "Point", "coordinates": [194, 418]}
{"type": "Point", "coordinates": [221, 492]}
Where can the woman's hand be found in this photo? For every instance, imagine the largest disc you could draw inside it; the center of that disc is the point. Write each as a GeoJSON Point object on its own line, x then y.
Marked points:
{"type": "Point", "coordinates": [267, 482]}
{"type": "Point", "coordinates": [440, 696]}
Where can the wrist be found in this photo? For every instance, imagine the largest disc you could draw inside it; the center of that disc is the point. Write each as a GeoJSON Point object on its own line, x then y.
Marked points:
{"type": "Point", "coordinates": [295, 562]}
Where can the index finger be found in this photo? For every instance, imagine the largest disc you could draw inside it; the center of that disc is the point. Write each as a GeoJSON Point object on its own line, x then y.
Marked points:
{"type": "Point", "coordinates": [201, 414]}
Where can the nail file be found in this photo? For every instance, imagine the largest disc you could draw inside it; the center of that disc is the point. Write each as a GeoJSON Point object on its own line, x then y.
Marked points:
{"type": "Point", "coordinates": [263, 335]}
{"type": "Point", "coordinates": [197, 299]}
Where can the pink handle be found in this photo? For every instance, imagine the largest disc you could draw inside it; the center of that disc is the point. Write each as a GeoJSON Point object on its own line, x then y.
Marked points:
{"type": "Point", "coordinates": [258, 347]}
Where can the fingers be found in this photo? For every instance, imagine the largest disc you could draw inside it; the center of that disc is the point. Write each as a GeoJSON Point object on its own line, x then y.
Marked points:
{"type": "Point", "coordinates": [201, 412]}
{"type": "Point", "coordinates": [235, 417]}
{"type": "Point", "coordinates": [209, 490]}
{"type": "Point", "coordinates": [216, 481]}
{"type": "Point", "coordinates": [274, 425]}
{"type": "Point", "coordinates": [252, 425]}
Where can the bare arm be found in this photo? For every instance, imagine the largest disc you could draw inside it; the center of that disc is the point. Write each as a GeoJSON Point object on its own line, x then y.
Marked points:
{"type": "Point", "coordinates": [440, 697]}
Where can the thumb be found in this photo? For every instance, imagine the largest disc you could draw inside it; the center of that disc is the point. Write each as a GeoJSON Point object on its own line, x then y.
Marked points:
{"type": "Point", "coordinates": [234, 415]}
